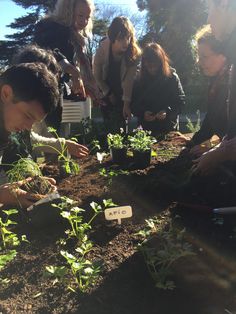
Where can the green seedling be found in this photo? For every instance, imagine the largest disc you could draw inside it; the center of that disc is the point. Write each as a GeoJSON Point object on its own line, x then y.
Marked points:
{"type": "Point", "coordinates": [68, 165]}
{"type": "Point", "coordinates": [83, 270]}
{"type": "Point", "coordinates": [191, 127]}
{"type": "Point", "coordinates": [116, 141]}
{"type": "Point", "coordinates": [8, 241]}
{"type": "Point", "coordinates": [169, 246]}
{"type": "Point", "coordinates": [8, 238]}
{"type": "Point", "coordinates": [57, 273]}
{"type": "Point", "coordinates": [111, 173]}
{"type": "Point", "coordinates": [141, 140]}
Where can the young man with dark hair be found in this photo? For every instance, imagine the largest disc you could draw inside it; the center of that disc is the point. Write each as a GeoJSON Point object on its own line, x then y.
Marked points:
{"type": "Point", "coordinates": [28, 92]}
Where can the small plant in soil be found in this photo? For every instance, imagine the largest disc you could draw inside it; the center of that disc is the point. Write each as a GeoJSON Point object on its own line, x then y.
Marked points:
{"type": "Point", "coordinates": [8, 240]}
{"type": "Point", "coordinates": [111, 173]}
{"type": "Point", "coordinates": [67, 165]}
{"type": "Point", "coordinates": [162, 245]}
{"type": "Point", "coordinates": [84, 271]}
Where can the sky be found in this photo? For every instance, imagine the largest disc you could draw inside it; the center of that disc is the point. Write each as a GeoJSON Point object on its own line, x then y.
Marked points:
{"type": "Point", "coordinates": [9, 11]}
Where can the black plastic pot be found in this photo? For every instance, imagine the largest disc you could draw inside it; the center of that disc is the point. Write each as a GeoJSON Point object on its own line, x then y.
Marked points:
{"type": "Point", "coordinates": [118, 156]}
{"type": "Point", "coordinates": [142, 159]}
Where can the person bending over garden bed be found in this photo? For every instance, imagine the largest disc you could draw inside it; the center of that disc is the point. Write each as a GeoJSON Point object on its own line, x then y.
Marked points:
{"type": "Point", "coordinates": [214, 65]}
{"type": "Point", "coordinates": [222, 18]}
{"type": "Point", "coordinates": [158, 96]}
{"type": "Point", "coordinates": [20, 145]}
{"type": "Point", "coordinates": [28, 92]}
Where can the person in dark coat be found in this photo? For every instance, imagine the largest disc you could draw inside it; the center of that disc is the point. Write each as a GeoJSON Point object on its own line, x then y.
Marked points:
{"type": "Point", "coordinates": [222, 18]}
{"type": "Point", "coordinates": [158, 96]}
{"type": "Point", "coordinates": [214, 65]}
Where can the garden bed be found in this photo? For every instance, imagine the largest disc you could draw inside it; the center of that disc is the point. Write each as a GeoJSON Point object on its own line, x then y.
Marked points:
{"type": "Point", "coordinates": [205, 282]}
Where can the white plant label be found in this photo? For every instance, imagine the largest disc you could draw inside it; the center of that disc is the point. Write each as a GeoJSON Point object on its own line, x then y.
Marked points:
{"type": "Point", "coordinates": [118, 213]}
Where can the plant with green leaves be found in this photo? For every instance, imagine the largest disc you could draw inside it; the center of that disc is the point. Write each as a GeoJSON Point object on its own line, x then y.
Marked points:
{"type": "Point", "coordinates": [112, 173]}
{"type": "Point", "coordinates": [68, 165]}
{"type": "Point", "coordinates": [84, 271]}
{"type": "Point", "coordinates": [141, 140]}
{"type": "Point", "coordinates": [8, 240]}
{"type": "Point", "coordinates": [26, 167]}
{"type": "Point", "coordinates": [116, 141]}
{"type": "Point", "coordinates": [162, 245]}
{"type": "Point", "coordinates": [73, 213]}
{"type": "Point", "coordinates": [194, 127]}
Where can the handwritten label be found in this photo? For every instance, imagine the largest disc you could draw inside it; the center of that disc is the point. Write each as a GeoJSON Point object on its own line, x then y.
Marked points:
{"type": "Point", "coordinates": [118, 213]}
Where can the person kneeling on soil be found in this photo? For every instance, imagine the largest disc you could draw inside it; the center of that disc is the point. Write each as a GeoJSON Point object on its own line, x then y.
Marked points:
{"type": "Point", "coordinates": [222, 18]}
{"type": "Point", "coordinates": [214, 65]}
{"type": "Point", "coordinates": [158, 96]}
{"type": "Point", "coordinates": [28, 92]}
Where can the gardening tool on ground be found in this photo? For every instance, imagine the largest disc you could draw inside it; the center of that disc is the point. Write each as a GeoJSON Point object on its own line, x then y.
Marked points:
{"type": "Point", "coordinates": [231, 210]}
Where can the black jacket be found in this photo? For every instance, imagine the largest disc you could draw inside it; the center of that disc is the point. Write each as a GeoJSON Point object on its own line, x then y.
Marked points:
{"type": "Point", "coordinates": [57, 37]}
{"type": "Point", "coordinates": [230, 53]}
{"type": "Point", "coordinates": [156, 94]}
{"type": "Point", "coordinates": [216, 120]}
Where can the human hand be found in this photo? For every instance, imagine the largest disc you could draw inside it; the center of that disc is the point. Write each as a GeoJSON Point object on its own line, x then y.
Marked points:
{"type": "Point", "coordinates": [198, 150]}
{"type": "Point", "coordinates": [206, 163]}
{"type": "Point", "coordinates": [78, 85]}
{"type": "Point", "coordinates": [76, 149]}
{"type": "Point", "coordinates": [149, 116]}
{"type": "Point", "coordinates": [13, 195]}
{"type": "Point", "coordinates": [161, 115]}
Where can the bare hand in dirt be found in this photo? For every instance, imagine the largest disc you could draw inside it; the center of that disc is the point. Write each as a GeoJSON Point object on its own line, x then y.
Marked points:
{"type": "Point", "coordinates": [76, 149]}
{"type": "Point", "coordinates": [149, 116]}
{"type": "Point", "coordinates": [206, 164]}
{"type": "Point", "coordinates": [12, 194]}
{"type": "Point", "coordinates": [161, 115]}
{"type": "Point", "coordinates": [126, 112]}
{"type": "Point", "coordinates": [198, 150]}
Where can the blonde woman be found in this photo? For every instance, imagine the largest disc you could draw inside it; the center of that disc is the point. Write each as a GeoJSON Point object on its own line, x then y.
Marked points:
{"type": "Point", "coordinates": [65, 31]}
{"type": "Point", "coordinates": [115, 66]}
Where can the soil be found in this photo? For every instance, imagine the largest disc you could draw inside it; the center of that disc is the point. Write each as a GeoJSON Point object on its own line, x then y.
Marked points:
{"type": "Point", "coordinates": [205, 283]}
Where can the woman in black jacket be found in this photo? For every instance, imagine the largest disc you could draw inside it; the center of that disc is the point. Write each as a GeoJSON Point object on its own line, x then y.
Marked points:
{"type": "Point", "coordinates": [158, 95]}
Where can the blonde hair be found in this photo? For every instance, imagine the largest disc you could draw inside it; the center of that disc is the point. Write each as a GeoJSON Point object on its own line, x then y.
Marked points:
{"type": "Point", "coordinates": [64, 13]}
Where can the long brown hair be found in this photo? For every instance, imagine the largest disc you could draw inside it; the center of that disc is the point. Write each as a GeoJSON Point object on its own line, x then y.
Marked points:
{"type": "Point", "coordinates": [121, 27]}
{"type": "Point", "coordinates": [154, 53]}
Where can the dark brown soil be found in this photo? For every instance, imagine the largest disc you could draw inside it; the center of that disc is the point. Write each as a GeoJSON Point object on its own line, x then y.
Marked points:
{"type": "Point", "coordinates": [205, 283]}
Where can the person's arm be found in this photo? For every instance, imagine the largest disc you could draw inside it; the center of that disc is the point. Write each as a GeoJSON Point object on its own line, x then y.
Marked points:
{"type": "Point", "coordinates": [56, 145]}
{"type": "Point", "coordinates": [127, 86]}
{"type": "Point", "coordinates": [176, 94]}
{"type": "Point", "coordinates": [98, 64]}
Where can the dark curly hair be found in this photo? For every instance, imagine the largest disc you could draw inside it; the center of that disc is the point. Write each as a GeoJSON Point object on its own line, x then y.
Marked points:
{"type": "Point", "coordinates": [30, 82]}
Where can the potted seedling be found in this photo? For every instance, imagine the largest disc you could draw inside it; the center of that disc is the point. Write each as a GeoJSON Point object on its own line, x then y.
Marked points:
{"type": "Point", "coordinates": [41, 190]}
{"type": "Point", "coordinates": [140, 143]}
{"type": "Point", "coordinates": [117, 147]}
